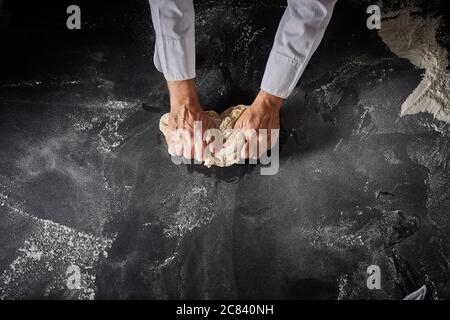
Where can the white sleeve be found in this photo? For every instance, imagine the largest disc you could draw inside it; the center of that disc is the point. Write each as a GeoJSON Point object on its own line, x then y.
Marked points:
{"type": "Point", "coordinates": [174, 24]}
{"type": "Point", "coordinates": [299, 34]}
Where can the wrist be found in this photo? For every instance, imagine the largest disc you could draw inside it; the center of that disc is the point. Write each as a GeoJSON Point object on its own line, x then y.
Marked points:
{"type": "Point", "coordinates": [269, 100]}
{"type": "Point", "coordinates": [183, 94]}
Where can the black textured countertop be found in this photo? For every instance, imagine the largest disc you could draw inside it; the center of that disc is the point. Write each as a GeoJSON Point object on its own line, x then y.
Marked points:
{"type": "Point", "coordinates": [85, 179]}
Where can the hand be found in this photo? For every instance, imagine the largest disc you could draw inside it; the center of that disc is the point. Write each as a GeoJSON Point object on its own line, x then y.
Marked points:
{"type": "Point", "coordinates": [264, 113]}
{"type": "Point", "coordinates": [185, 110]}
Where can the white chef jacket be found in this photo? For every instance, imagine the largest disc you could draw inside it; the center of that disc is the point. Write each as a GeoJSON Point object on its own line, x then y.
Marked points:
{"type": "Point", "coordinates": [299, 34]}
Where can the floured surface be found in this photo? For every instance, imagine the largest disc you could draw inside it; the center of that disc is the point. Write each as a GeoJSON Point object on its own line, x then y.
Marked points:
{"type": "Point", "coordinates": [46, 255]}
{"type": "Point", "coordinates": [413, 37]}
{"type": "Point", "coordinates": [358, 185]}
{"type": "Point", "coordinates": [229, 155]}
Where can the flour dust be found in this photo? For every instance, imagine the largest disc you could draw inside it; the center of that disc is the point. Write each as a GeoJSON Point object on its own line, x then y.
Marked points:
{"type": "Point", "coordinates": [413, 37]}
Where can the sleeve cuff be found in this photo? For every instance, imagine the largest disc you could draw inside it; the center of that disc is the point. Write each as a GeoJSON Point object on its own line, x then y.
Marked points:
{"type": "Point", "coordinates": [281, 74]}
{"type": "Point", "coordinates": [175, 58]}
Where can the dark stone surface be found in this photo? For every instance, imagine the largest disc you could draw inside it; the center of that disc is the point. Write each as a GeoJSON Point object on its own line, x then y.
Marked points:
{"type": "Point", "coordinates": [85, 178]}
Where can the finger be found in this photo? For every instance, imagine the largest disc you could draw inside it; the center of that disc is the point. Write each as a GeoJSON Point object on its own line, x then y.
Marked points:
{"type": "Point", "coordinates": [252, 142]}
{"type": "Point", "coordinates": [176, 136]}
{"type": "Point", "coordinates": [262, 143]}
{"type": "Point", "coordinates": [188, 138]}
{"type": "Point", "coordinates": [198, 150]}
{"type": "Point", "coordinates": [170, 138]}
{"type": "Point", "coordinates": [189, 145]}
{"type": "Point", "coordinates": [244, 151]}
{"type": "Point", "coordinates": [188, 152]}
{"type": "Point", "coordinates": [262, 147]}
{"type": "Point", "coordinates": [171, 149]}
{"type": "Point", "coordinates": [175, 149]}
{"type": "Point", "coordinates": [253, 148]}
{"type": "Point", "coordinates": [178, 148]}
{"type": "Point", "coordinates": [274, 134]}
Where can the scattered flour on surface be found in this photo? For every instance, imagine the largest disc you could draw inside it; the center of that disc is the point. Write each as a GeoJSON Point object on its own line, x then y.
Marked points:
{"type": "Point", "coordinates": [43, 259]}
{"type": "Point", "coordinates": [413, 37]}
{"type": "Point", "coordinates": [194, 210]}
{"type": "Point", "coordinates": [105, 118]}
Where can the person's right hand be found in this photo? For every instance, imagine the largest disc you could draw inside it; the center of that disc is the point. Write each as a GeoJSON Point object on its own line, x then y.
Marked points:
{"type": "Point", "coordinates": [186, 142]}
{"type": "Point", "coordinates": [185, 110]}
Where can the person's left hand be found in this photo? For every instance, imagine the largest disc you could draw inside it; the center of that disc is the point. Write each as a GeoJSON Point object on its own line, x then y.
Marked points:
{"type": "Point", "coordinates": [264, 113]}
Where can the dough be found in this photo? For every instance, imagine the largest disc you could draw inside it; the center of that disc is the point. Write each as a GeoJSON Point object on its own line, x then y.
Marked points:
{"type": "Point", "coordinates": [225, 122]}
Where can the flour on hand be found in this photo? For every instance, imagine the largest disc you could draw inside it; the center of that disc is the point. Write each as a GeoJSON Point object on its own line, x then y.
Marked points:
{"type": "Point", "coordinates": [229, 154]}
